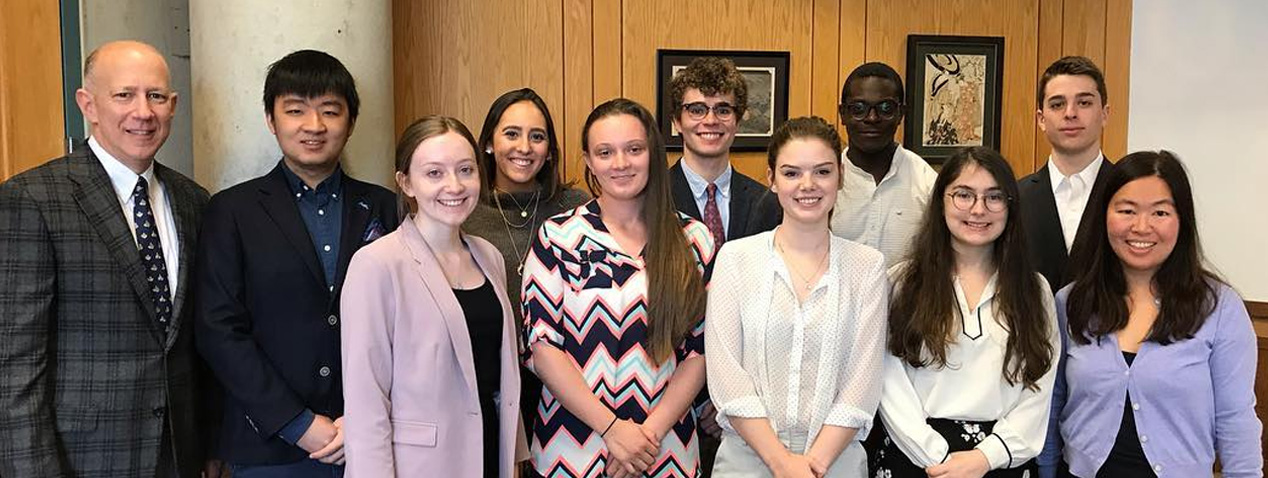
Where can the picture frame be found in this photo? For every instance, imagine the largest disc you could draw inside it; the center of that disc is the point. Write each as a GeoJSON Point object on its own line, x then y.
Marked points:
{"type": "Point", "coordinates": [955, 90]}
{"type": "Point", "coordinates": [766, 73]}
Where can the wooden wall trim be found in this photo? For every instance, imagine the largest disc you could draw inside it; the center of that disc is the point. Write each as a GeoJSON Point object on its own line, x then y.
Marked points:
{"type": "Point", "coordinates": [1258, 310]}
{"type": "Point", "coordinates": [31, 114]}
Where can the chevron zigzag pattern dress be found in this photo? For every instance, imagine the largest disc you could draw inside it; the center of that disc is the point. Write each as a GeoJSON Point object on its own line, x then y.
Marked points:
{"type": "Point", "coordinates": [588, 298]}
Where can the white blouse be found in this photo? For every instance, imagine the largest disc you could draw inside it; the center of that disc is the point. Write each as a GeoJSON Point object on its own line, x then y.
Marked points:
{"type": "Point", "coordinates": [970, 387]}
{"type": "Point", "coordinates": [800, 365]}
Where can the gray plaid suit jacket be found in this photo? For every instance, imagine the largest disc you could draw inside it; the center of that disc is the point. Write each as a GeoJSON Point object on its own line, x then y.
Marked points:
{"type": "Point", "coordinates": [88, 380]}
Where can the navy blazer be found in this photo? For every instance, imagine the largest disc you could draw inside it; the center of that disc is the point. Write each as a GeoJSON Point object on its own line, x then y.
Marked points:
{"type": "Point", "coordinates": [1043, 226]}
{"type": "Point", "coordinates": [267, 324]}
{"type": "Point", "coordinates": [753, 208]}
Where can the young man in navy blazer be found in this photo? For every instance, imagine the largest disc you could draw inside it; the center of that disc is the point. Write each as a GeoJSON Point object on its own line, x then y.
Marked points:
{"type": "Point", "coordinates": [270, 267]}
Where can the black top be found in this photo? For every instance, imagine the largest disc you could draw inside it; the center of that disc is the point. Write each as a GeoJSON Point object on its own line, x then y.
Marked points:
{"type": "Point", "coordinates": [483, 312]}
{"type": "Point", "coordinates": [1127, 458]}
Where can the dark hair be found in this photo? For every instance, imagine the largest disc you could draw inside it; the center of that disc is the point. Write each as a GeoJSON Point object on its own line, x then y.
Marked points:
{"type": "Point", "coordinates": [923, 311]}
{"type": "Point", "coordinates": [712, 76]}
{"type": "Point", "coordinates": [310, 73]}
{"type": "Point", "coordinates": [803, 127]}
{"type": "Point", "coordinates": [1072, 65]}
{"type": "Point", "coordinates": [675, 290]}
{"type": "Point", "coordinates": [1186, 289]}
{"type": "Point", "coordinates": [873, 69]}
{"type": "Point", "coordinates": [421, 130]}
{"type": "Point", "coordinates": [548, 177]}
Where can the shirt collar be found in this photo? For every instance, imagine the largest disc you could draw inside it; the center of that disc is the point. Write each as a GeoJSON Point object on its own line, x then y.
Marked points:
{"type": "Point", "coordinates": [1088, 174]}
{"type": "Point", "coordinates": [988, 292]}
{"type": "Point", "coordinates": [121, 177]}
{"type": "Point", "coordinates": [330, 185]}
{"type": "Point", "coordinates": [699, 185]}
{"type": "Point", "coordinates": [895, 164]}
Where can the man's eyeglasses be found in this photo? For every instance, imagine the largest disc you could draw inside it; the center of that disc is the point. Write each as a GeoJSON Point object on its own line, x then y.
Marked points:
{"type": "Point", "coordinates": [964, 200]}
{"type": "Point", "coordinates": [885, 109]}
{"type": "Point", "coordinates": [698, 110]}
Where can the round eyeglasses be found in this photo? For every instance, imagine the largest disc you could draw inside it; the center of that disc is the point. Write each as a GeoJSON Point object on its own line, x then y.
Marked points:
{"type": "Point", "coordinates": [885, 109]}
{"type": "Point", "coordinates": [964, 200]}
{"type": "Point", "coordinates": [698, 110]}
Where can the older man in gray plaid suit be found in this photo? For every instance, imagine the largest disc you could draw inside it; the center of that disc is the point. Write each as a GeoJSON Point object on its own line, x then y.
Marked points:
{"type": "Point", "coordinates": [98, 373]}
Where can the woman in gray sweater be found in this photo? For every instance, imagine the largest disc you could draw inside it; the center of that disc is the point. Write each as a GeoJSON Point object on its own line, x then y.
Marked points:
{"type": "Point", "coordinates": [519, 163]}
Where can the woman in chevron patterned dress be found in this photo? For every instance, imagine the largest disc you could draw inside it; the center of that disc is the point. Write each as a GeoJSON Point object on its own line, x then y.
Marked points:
{"type": "Point", "coordinates": [613, 308]}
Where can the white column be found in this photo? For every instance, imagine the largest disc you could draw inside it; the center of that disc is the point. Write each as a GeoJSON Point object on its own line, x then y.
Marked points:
{"type": "Point", "coordinates": [232, 43]}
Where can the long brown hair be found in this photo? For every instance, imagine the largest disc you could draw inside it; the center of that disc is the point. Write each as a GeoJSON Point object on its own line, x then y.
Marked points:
{"type": "Point", "coordinates": [923, 310]}
{"type": "Point", "coordinates": [675, 290]}
{"type": "Point", "coordinates": [1185, 287]}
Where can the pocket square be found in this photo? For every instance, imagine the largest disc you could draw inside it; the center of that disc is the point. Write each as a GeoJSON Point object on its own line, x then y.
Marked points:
{"type": "Point", "coordinates": [373, 231]}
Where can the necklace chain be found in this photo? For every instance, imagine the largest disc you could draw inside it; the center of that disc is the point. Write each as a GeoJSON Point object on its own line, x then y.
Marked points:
{"type": "Point", "coordinates": [822, 262]}
{"type": "Point", "coordinates": [519, 258]}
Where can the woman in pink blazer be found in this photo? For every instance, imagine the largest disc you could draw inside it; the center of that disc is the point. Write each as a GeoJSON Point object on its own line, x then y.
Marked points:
{"type": "Point", "coordinates": [431, 381]}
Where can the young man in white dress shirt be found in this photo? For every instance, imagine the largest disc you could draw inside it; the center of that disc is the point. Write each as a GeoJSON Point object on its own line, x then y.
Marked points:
{"type": "Point", "coordinates": [886, 187]}
{"type": "Point", "coordinates": [1072, 112]}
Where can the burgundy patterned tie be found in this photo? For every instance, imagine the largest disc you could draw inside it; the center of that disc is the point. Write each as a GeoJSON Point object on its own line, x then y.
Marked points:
{"type": "Point", "coordinates": [712, 218]}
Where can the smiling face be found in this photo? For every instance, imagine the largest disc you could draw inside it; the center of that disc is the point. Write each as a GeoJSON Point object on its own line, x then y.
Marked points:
{"type": "Point", "coordinates": [873, 133]}
{"type": "Point", "coordinates": [708, 137]}
{"type": "Point", "coordinates": [618, 156]}
{"type": "Point", "coordinates": [310, 131]}
{"type": "Point", "coordinates": [1142, 225]}
{"type": "Point", "coordinates": [128, 102]}
{"type": "Point", "coordinates": [520, 147]}
{"type": "Point", "coordinates": [977, 226]}
{"type": "Point", "coordinates": [806, 179]}
{"type": "Point", "coordinates": [1073, 114]}
{"type": "Point", "coordinates": [443, 179]}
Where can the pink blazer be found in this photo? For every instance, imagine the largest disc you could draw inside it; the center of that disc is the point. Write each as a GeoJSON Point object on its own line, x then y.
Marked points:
{"type": "Point", "coordinates": [409, 384]}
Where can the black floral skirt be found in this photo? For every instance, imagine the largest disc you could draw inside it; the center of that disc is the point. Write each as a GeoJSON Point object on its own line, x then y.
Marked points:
{"type": "Point", "coordinates": [885, 460]}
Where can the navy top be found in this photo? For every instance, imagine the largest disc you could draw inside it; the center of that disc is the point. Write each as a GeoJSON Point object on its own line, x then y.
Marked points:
{"type": "Point", "coordinates": [323, 217]}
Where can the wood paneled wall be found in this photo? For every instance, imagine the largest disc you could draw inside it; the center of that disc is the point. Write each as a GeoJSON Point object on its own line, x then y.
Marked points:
{"type": "Point", "coordinates": [31, 127]}
{"type": "Point", "coordinates": [454, 58]}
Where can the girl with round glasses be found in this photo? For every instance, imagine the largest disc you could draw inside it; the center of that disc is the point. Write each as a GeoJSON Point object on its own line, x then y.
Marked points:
{"type": "Point", "coordinates": [972, 336]}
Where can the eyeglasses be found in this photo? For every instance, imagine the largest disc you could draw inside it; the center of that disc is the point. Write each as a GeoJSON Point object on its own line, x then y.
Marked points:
{"type": "Point", "coordinates": [698, 110]}
{"type": "Point", "coordinates": [885, 109]}
{"type": "Point", "coordinates": [964, 200]}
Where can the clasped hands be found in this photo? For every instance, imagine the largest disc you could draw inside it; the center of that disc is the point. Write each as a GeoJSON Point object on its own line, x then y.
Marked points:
{"type": "Point", "coordinates": [324, 440]}
{"type": "Point", "coordinates": [632, 449]}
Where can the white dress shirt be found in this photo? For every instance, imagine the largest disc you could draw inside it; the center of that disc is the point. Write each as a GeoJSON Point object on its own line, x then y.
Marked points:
{"type": "Point", "coordinates": [800, 365]}
{"type": "Point", "coordinates": [1071, 194]}
{"type": "Point", "coordinates": [884, 216]}
{"type": "Point", "coordinates": [124, 182]}
{"type": "Point", "coordinates": [970, 387]}
{"type": "Point", "coordinates": [699, 186]}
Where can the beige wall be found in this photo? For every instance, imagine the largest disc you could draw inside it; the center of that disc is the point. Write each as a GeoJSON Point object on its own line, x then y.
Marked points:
{"type": "Point", "coordinates": [454, 58]}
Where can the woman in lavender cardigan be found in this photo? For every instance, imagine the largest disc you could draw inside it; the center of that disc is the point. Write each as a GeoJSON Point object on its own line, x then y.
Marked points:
{"type": "Point", "coordinates": [1160, 353]}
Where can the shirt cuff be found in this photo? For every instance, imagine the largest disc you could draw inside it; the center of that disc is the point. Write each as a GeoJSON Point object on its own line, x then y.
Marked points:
{"type": "Point", "coordinates": [295, 429]}
{"type": "Point", "coordinates": [996, 451]}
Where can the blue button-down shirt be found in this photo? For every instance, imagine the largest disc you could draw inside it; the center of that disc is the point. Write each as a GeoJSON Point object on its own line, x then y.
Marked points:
{"type": "Point", "coordinates": [322, 211]}
{"type": "Point", "coordinates": [1192, 399]}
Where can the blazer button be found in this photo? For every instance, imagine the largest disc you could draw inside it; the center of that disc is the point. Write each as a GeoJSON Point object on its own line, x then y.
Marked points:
{"type": "Point", "coordinates": [325, 371]}
{"type": "Point", "coordinates": [159, 412]}
{"type": "Point", "coordinates": [332, 320]}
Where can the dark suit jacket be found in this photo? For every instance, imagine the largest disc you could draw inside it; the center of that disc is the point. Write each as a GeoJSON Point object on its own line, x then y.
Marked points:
{"type": "Point", "coordinates": [753, 208]}
{"type": "Point", "coordinates": [88, 379]}
{"type": "Point", "coordinates": [1043, 226]}
{"type": "Point", "coordinates": [267, 323]}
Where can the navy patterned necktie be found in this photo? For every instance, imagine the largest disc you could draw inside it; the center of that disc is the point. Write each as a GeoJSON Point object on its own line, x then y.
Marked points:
{"type": "Point", "coordinates": [151, 249]}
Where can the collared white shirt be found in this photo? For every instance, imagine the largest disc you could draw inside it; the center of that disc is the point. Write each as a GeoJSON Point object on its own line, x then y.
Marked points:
{"type": "Point", "coordinates": [124, 182]}
{"type": "Point", "coordinates": [884, 216]}
{"type": "Point", "coordinates": [970, 387]}
{"type": "Point", "coordinates": [699, 187]}
{"type": "Point", "coordinates": [1072, 193]}
{"type": "Point", "coordinates": [801, 365]}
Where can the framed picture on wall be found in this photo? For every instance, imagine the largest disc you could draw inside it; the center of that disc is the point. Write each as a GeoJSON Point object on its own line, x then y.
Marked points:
{"type": "Point", "coordinates": [766, 74]}
{"type": "Point", "coordinates": [954, 90]}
